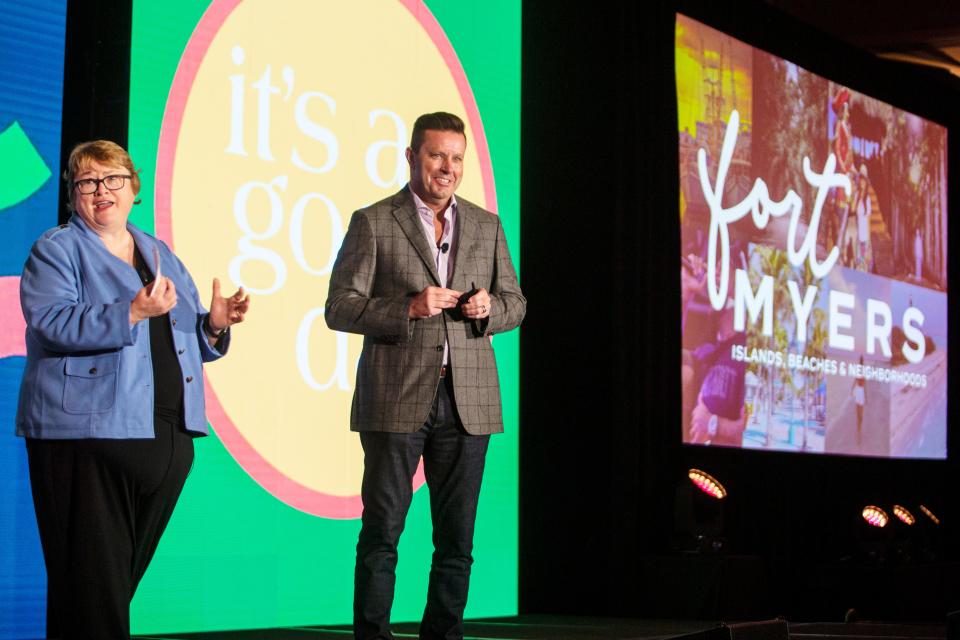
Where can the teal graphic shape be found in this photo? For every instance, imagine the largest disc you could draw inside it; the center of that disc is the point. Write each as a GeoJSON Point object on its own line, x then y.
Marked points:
{"type": "Point", "coordinates": [21, 166]}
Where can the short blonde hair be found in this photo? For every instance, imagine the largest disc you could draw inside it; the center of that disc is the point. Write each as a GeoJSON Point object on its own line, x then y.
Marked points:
{"type": "Point", "coordinates": [102, 152]}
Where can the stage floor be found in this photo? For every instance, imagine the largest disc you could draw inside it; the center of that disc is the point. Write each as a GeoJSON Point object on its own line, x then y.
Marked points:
{"type": "Point", "coordinates": [541, 627]}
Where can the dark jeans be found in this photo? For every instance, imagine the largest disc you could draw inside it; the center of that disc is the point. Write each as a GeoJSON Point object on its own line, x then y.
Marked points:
{"type": "Point", "coordinates": [453, 462]}
{"type": "Point", "coordinates": [101, 508]}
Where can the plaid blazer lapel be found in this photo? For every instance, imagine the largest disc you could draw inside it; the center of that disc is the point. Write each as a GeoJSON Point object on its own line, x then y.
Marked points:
{"type": "Point", "coordinates": [467, 232]}
{"type": "Point", "coordinates": [409, 220]}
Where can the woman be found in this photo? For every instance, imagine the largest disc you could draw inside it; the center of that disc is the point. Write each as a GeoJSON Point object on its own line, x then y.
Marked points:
{"type": "Point", "coordinates": [112, 392]}
{"type": "Point", "coordinates": [859, 393]}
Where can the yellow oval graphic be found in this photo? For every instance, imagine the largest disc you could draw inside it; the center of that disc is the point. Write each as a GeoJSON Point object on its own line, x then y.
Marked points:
{"type": "Point", "coordinates": [267, 146]}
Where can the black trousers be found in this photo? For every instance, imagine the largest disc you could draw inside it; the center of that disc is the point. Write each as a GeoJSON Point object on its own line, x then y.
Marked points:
{"type": "Point", "coordinates": [101, 508]}
{"type": "Point", "coordinates": [453, 463]}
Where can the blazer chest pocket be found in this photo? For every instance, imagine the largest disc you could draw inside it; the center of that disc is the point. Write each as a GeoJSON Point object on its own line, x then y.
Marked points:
{"type": "Point", "coordinates": [90, 383]}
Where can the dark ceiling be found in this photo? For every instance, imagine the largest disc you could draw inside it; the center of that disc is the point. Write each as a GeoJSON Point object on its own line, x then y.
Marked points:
{"type": "Point", "coordinates": [927, 33]}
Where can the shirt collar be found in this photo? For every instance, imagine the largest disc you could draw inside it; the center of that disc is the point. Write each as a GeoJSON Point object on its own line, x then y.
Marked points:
{"type": "Point", "coordinates": [424, 210]}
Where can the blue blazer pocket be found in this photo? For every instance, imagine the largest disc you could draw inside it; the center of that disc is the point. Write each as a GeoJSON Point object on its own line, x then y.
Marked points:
{"type": "Point", "coordinates": [90, 383]}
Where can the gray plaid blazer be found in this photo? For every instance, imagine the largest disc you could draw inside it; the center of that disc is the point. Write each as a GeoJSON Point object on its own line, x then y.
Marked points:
{"type": "Point", "coordinates": [384, 261]}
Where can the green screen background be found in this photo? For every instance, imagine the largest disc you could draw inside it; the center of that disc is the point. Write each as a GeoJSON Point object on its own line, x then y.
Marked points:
{"type": "Point", "coordinates": [233, 555]}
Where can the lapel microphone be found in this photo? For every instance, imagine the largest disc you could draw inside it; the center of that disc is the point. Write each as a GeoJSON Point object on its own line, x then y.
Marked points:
{"type": "Point", "coordinates": [444, 247]}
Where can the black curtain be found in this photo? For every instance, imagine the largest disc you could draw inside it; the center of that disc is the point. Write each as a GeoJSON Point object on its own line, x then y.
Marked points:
{"type": "Point", "coordinates": [96, 77]}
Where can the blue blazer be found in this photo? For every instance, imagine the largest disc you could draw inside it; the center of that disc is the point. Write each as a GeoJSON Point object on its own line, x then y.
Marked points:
{"type": "Point", "coordinates": [88, 371]}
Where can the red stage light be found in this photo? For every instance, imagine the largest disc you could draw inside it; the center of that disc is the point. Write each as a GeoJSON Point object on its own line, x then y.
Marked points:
{"type": "Point", "coordinates": [875, 516]}
{"type": "Point", "coordinates": [707, 483]}
{"type": "Point", "coordinates": [903, 515]}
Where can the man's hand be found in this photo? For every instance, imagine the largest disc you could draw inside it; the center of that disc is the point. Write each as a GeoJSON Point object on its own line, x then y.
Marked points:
{"type": "Point", "coordinates": [693, 275]}
{"type": "Point", "coordinates": [699, 422]}
{"type": "Point", "coordinates": [478, 306]}
{"type": "Point", "coordinates": [729, 432]}
{"type": "Point", "coordinates": [433, 300]}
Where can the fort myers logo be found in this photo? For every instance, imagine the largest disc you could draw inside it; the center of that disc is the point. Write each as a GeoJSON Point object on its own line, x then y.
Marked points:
{"type": "Point", "coordinates": [278, 125]}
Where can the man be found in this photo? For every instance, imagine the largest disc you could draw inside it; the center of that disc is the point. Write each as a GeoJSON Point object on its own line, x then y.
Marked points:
{"type": "Point", "coordinates": [719, 415]}
{"type": "Point", "coordinates": [427, 379]}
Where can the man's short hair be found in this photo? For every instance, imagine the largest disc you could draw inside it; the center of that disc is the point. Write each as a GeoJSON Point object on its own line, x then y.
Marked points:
{"type": "Point", "coordinates": [439, 121]}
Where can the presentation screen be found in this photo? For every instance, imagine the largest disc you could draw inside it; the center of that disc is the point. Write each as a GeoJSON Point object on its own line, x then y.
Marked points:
{"type": "Point", "coordinates": [259, 129]}
{"type": "Point", "coordinates": [813, 259]}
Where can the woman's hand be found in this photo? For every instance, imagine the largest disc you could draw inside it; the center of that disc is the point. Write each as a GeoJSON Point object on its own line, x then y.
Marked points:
{"type": "Point", "coordinates": [225, 312]}
{"type": "Point", "coordinates": [153, 300]}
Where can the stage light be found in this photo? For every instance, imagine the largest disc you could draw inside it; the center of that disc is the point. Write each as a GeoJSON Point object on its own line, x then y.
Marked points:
{"type": "Point", "coordinates": [875, 537]}
{"type": "Point", "coordinates": [698, 514]}
{"type": "Point", "coordinates": [930, 515]}
{"type": "Point", "coordinates": [906, 540]}
{"type": "Point", "coordinates": [903, 515]}
{"type": "Point", "coordinates": [875, 516]}
{"type": "Point", "coordinates": [928, 535]}
{"type": "Point", "coordinates": [707, 483]}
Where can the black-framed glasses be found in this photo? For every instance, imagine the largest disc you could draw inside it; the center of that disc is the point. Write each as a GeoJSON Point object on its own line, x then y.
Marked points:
{"type": "Point", "coordinates": [90, 185]}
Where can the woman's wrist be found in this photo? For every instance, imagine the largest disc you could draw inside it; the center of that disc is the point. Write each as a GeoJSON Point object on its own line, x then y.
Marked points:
{"type": "Point", "coordinates": [210, 331]}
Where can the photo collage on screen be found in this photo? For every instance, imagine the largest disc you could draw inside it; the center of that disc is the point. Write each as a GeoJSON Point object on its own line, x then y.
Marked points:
{"type": "Point", "coordinates": [813, 259]}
